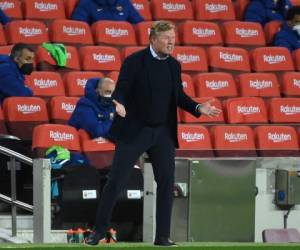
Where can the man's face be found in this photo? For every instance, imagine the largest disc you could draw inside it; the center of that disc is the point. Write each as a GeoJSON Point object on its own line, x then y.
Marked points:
{"type": "Point", "coordinates": [295, 21]}
{"type": "Point", "coordinates": [106, 88]}
{"type": "Point", "coordinates": [163, 44]}
{"type": "Point", "coordinates": [26, 56]}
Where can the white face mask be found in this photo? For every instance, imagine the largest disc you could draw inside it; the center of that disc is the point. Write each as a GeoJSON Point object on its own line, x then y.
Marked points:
{"type": "Point", "coordinates": [297, 28]}
{"type": "Point", "coordinates": [107, 95]}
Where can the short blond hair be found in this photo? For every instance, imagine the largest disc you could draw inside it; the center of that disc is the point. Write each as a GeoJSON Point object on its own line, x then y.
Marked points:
{"type": "Point", "coordinates": [160, 26]}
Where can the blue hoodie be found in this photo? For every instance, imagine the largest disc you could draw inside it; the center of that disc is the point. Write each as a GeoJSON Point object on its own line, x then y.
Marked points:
{"type": "Point", "coordinates": [91, 11]}
{"type": "Point", "coordinates": [288, 38]}
{"type": "Point", "coordinates": [11, 79]}
{"type": "Point", "coordinates": [263, 11]}
{"type": "Point", "coordinates": [4, 19]}
{"type": "Point", "coordinates": [91, 114]}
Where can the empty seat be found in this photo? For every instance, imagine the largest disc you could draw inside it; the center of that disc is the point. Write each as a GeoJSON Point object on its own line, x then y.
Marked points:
{"type": "Point", "coordinates": [188, 85]}
{"type": "Point", "coordinates": [75, 81]}
{"type": "Point", "coordinates": [266, 59]}
{"type": "Point", "coordinates": [99, 151]}
{"type": "Point", "coordinates": [276, 141]}
{"type": "Point", "coordinates": [171, 10]}
{"type": "Point", "coordinates": [191, 58]}
{"type": "Point", "coordinates": [70, 32]}
{"type": "Point", "coordinates": [114, 75]}
{"type": "Point", "coordinates": [290, 83]}
{"type": "Point", "coordinates": [194, 141]}
{"type": "Point", "coordinates": [127, 51]}
{"type": "Point", "coordinates": [200, 33]}
{"type": "Point", "coordinates": [30, 32]}
{"type": "Point", "coordinates": [45, 84]}
{"type": "Point", "coordinates": [188, 118]}
{"type": "Point", "coordinates": [5, 50]}
{"type": "Point", "coordinates": [284, 110]}
{"type": "Point", "coordinates": [100, 58]}
{"type": "Point", "coordinates": [3, 129]}
{"type": "Point", "coordinates": [113, 33]}
{"type": "Point", "coordinates": [218, 10]}
{"type": "Point", "coordinates": [143, 7]}
{"type": "Point", "coordinates": [270, 29]}
{"type": "Point", "coordinates": [69, 7]}
{"type": "Point", "coordinates": [246, 34]}
{"type": "Point", "coordinates": [245, 110]}
{"type": "Point", "coordinates": [47, 9]}
{"type": "Point", "coordinates": [228, 59]}
{"type": "Point", "coordinates": [23, 114]}
{"type": "Point", "coordinates": [240, 8]}
{"type": "Point", "coordinates": [258, 84]}
{"type": "Point", "coordinates": [61, 108]}
{"type": "Point", "coordinates": [2, 36]}
{"type": "Point", "coordinates": [12, 8]}
{"type": "Point", "coordinates": [219, 84]}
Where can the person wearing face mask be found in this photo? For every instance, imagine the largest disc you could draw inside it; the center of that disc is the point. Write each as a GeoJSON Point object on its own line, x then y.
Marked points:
{"type": "Point", "coordinates": [289, 34]}
{"type": "Point", "coordinates": [13, 69]}
{"type": "Point", "coordinates": [91, 11]}
{"type": "Point", "coordinates": [263, 11]}
{"type": "Point", "coordinates": [95, 111]}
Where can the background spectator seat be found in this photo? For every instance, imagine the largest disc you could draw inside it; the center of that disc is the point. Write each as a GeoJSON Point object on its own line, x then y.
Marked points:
{"type": "Point", "coordinates": [290, 84]}
{"type": "Point", "coordinates": [143, 7]}
{"type": "Point", "coordinates": [188, 85]}
{"type": "Point", "coordinates": [2, 36]}
{"type": "Point", "coordinates": [12, 8]}
{"type": "Point", "coordinates": [284, 110]}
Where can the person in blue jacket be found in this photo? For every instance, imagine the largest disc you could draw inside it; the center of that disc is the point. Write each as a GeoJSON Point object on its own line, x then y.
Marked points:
{"type": "Point", "coordinates": [263, 11]}
{"type": "Point", "coordinates": [91, 11]}
{"type": "Point", "coordinates": [289, 34]}
{"type": "Point", "coordinates": [4, 19]}
{"type": "Point", "coordinates": [95, 111]}
{"type": "Point", "coordinates": [12, 71]}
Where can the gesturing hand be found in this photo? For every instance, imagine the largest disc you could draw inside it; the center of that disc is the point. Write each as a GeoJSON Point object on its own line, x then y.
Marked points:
{"type": "Point", "coordinates": [207, 109]}
{"type": "Point", "coordinates": [120, 109]}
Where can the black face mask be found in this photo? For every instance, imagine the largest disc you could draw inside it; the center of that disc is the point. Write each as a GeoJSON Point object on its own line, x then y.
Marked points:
{"type": "Point", "coordinates": [27, 68]}
{"type": "Point", "coordinates": [105, 101]}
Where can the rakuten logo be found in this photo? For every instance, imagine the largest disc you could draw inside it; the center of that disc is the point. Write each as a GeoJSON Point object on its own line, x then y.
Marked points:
{"type": "Point", "coordinates": [274, 59]}
{"type": "Point", "coordinates": [235, 137]}
{"type": "Point", "coordinates": [275, 137]}
{"type": "Point", "coordinates": [215, 85]}
{"type": "Point", "coordinates": [28, 109]}
{"type": "Point", "coordinates": [104, 58]}
{"type": "Point", "coordinates": [81, 82]}
{"type": "Point", "coordinates": [58, 136]}
{"type": "Point", "coordinates": [245, 33]}
{"type": "Point", "coordinates": [184, 58]}
{"type": "Point", "coordinates": [68, 107]}
{"type": "Point", "coordinates": [73, 31]}
{"type": "Point", "coordinates": [139, 6]}
{"type": "Point", "coordinates": [214, 8]}
{"type": "Point", "coordinates": [192, 137]}
{"type": "Point", "coordinates": [116, 32]}
{"type": "Point", "coordinates": [289, 110]}
{"type": "Point", "coordinates": [204, 32]}
{"type": "Point", "coordinates": [171, 7]}
{"type": "Point", "coordinates": [29, 32]}
{"type": "Point", "coordinates": [45, 6]}
{"type": "Point", "coordinates": [248, 110]}
{"type": "Point", "coordinates": [227, 57]}
{"type": "Point", "coordinates": [257, 84]}
{"type": "Point", "coordinates": [45, 83]}
{"type": "Point", "coordinates": [6, 5]}
{"type": "Point", "coordinates": [296, 83]}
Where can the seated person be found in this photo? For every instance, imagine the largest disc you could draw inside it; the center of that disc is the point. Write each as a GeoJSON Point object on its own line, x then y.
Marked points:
{"type": "Point", "coordinates": [289, 34]}
{"type": "Point", "coordinates": [95, 111]}
{"type": "Point", "coordinates": [12, 71]}
{"type": "Point", "coordinates": [263, 11]}
{"type": "Point", "coordinates": [91, 11]}
{"type": "Point", "coordinates": [4, 19]}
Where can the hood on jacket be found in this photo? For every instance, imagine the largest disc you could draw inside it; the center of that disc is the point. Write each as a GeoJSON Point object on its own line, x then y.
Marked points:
{"type": "Point", "coordinates": [90, 89]}
{"type": "Point", "coordinates": [106, 2]}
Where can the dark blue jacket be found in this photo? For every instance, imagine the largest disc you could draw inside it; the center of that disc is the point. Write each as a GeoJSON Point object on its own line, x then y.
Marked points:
{"type": "Point", "coordinates": [11, 79]}
{"type": "Point", "coordinates": [4, 19]}
{"type": "Point", "coordinates": [263, 11]}
{"type": "Point", "coordinates": [91, 11]}
{"type": "Point", "coordinates": [288, 38]}
{"type": "Point", "coordinates": [91, 115]}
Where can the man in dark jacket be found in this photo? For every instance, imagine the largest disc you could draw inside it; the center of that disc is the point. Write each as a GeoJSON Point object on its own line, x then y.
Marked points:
{"type": "Point", "coordinates": [95, 111]}
{"type": "Point", "coordinates": [91, 11]}
{"type": "Point", "coordinates": [147, 95]}
{"type": "Point", "coordinates": [263, 11]}
{"type": "Point", "coordinates": [289, 34]}
{"type": "Point", "coordinates": [12, 71]}
{"type": "Point", "coordinates": [4, 19]}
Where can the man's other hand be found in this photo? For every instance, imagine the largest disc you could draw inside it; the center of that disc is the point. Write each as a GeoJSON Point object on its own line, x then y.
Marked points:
{"type": "Point", "coordinates": [207, 109]}
{"type": "Point", "coordinates": [120, 109]}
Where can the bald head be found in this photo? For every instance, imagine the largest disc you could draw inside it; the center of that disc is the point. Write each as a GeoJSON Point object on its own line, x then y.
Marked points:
{"type": "Point", "coordinates": [106, 87]}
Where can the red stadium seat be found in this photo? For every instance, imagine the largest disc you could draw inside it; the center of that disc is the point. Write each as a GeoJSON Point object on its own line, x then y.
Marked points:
{"type": "Point", "coordinates": [114, 75]}
{"type": "Point", "coordinates": [47, 9]}
{"type": "Point", "coordinates": [127, 51]}
{"type": "Point", "coordinates": [171, 10]}
{"type": "Point", "coordinates": [143, 7]}
{"type": "Point", "coordinates": [61, 108]}
{"type": "Point", "coordinates": [100, 58]}
{"type": "Point", "coordinates": [23, 114]}
{"type": "Point", "coordinates": [99, 151]}
{"type": "Point", "coordinates": [290, 84]}
{"type": "Point", "coordinates": [191, 58]}
{"type": "Point", "coordinates": [240, 8]}
{"type": "Point", "coordinates": [2, 36]}
{"type": "Point", "coordinates": [188, 85]}
{"type": "Point", "coordinates": [188, 118]}
{"type": "Point", "coordinates": [69, 7]}
{"type": "Point", "coordinates": [284, 110]}
{"type": "Point", "coordinates": [295, 2]}
{"type": "Point", "coordinates": [266, 59]}
{"type": "Point", "coordinates": [194, 141]}
{"type": "Point", "coordinates": [228, 59]}
{"type": "Point", "coordinates": [276, 141]}
{"type": "Point", "coordinates": [245, 110]}
{"type": "Point", "coordinates": [45, 84]}
{"type": "Point", "coordinates": [219, 84]}
{"type": "Point", "coordinates": [246, 34]}
{"type": "Point", "coordinates": [75, 81]}
{"type": "Point", "coordinates": [70, 32]}
{"type": "Point", "coordinates": [12, 8]}
{"type": "Point", "coordinates": [270, 29]}
{"type": "Point", "coordinates": [5, 50]}
{"type": "Point", "coordinates": [233, 141]}
{"type": "Point", "coordinates": [296, 58]}
{"type": "Point", "coordinates": [258, 84]}
{"type": "Point", "coordinates": [30, 32]}
{"type": "Point", "coordinates": [119, 33]}
{"type": "Point", "coordinates": [3, 129]}
{"type": "Point", "coordinates": [217, 10]}
{"type": "Point", "coordinates": [200, 33]}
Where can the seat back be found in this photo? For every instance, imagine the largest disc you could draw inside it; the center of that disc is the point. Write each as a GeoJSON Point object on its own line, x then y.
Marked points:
{"type": "Point", "coordinates": [143, 7]}
{"type": "Point", "coordinates": [240, 8]}
{"type": "Point", "coordinates": [2, 36]}
{"type": "Point", "coordinates": [3, 129]}
{"type": "Point", "coordinates": [61, 108]}
{"type": "Point", "coordinates": [5, 50]}
{"type": "Point", "coordinates": [188, 85]}
{"type": "Point", "coordinates": [12, 8]}
{"type": "Point", "coordinates": [290, 83]}
{"type": "Point", "coordinates": [284, 110]}
{"type": "Point", "coordinates": [270, 30]}
{"type": "Point", "coordinates": [127, 51]}
{"type": "Point", "coordinates": [69, 7]}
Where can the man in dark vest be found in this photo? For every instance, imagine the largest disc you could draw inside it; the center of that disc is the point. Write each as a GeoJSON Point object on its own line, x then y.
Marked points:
{"type": "Point", "coordinates": [147, 94]}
